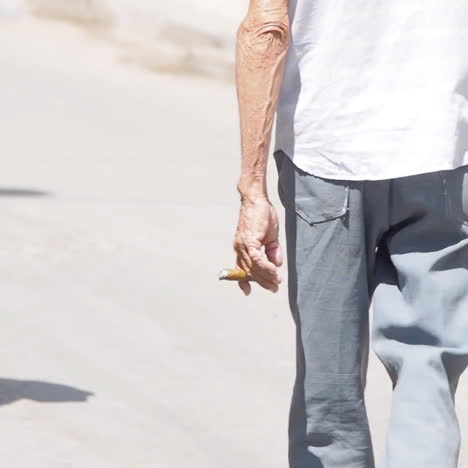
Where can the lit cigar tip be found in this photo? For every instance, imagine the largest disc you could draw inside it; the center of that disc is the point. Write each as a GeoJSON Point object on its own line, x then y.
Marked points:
{"type": "Point", "coordinates": [223, 274]}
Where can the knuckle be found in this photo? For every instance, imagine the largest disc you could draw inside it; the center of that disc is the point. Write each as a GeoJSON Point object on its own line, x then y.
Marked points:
{"type": "Point", "coordinates": [256, 258]}
{"type": "Point", "coordinates": [255, 277]}
{"type": "Point", "coordinates": [264, 284]}
{"type": "Point", "coordinates": [237, 244]}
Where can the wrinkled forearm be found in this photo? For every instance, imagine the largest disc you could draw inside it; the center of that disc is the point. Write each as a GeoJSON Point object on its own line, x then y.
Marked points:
{"type": "Point", "coordinates": [262, 43]}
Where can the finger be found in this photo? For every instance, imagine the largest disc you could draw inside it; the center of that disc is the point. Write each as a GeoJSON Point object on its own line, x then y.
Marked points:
{"type": "Point", "coordinates": [249, 264]}
{"type": "Point", "coordinates": [245, 286]}
{"type": "Point", "coordinates": [243, 257]}
{"type": "Point", "coordinates": [265, 278]}
{"type": "Point", "coordinates": [263, 267]}
{"type": "Point", "coordinates": [257, 276]}
{"type": "Point", "coordinates": [265, 282]}
{"type": "Point", "coordinates": [241, 263]}
{"type": "Point", "coordinates": [274, 253]}
{"type": "Point", "coordinates": [258, 272]}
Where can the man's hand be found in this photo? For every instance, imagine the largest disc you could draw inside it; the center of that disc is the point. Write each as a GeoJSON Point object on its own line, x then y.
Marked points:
{"type": "Point", "coordinates": [256, 244]}
{"type": "Point", "coordinates": [262, 44]}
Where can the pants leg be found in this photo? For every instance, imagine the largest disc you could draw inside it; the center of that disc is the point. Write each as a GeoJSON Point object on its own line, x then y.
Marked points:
{"type": "Point", "coordinates": [421, 316]}
{"type": "Point", "coordinates": [328, 260]}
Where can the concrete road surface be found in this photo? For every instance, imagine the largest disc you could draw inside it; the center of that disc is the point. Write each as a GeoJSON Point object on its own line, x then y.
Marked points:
{"type": "Point", "coordinates": [118, 346]}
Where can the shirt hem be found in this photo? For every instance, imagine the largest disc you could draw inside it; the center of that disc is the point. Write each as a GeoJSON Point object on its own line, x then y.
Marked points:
{"type": "Point", "coordinates": [315, 163]}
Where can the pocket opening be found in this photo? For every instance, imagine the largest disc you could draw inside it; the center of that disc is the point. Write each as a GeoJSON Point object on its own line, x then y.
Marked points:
{"type": "Point", "coordinates": [314, 199]}
{"type": "Point", "coordinates": [455, 188]}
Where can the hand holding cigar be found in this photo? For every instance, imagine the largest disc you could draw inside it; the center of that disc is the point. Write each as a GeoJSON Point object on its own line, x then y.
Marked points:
{"type": "Point", "coordinates": [256, 244]}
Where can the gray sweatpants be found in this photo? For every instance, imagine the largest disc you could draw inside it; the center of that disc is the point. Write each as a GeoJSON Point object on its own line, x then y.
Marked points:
{"type": "Point", "coordinates": [403, 243]}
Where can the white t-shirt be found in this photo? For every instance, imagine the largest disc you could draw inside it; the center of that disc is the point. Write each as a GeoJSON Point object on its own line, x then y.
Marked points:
{"type": "Point", "coordinates": [375, 89]}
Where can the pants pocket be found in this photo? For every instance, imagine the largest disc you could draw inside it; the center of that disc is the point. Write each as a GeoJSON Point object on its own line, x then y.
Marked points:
{"type": "Point", "coordinates": [455, 184]}
{"type": "Point", "coordinates": [314, 199]}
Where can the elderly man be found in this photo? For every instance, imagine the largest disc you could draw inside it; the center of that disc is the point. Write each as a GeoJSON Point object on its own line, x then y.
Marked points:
{"type": "Point", "coordinates": [371, 150]}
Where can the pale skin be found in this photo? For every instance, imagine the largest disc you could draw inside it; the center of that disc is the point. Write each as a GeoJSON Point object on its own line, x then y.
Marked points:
{"type": "Point", "coordinates": [262, 43]}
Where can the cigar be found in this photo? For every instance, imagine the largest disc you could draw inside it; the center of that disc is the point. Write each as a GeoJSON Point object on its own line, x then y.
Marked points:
{"type": "Point", "coordinates": [234, 274]}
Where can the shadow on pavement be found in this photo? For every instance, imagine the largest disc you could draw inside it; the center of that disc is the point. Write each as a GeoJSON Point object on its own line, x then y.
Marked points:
{"type": "Point", "coordinates": [22, 192]}
{"type": "Point", "coordinates": [43, 392]}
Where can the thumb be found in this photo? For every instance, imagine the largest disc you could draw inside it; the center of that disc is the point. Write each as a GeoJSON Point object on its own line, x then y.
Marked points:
{"type": "Point", "coordinates": [273, 252]}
